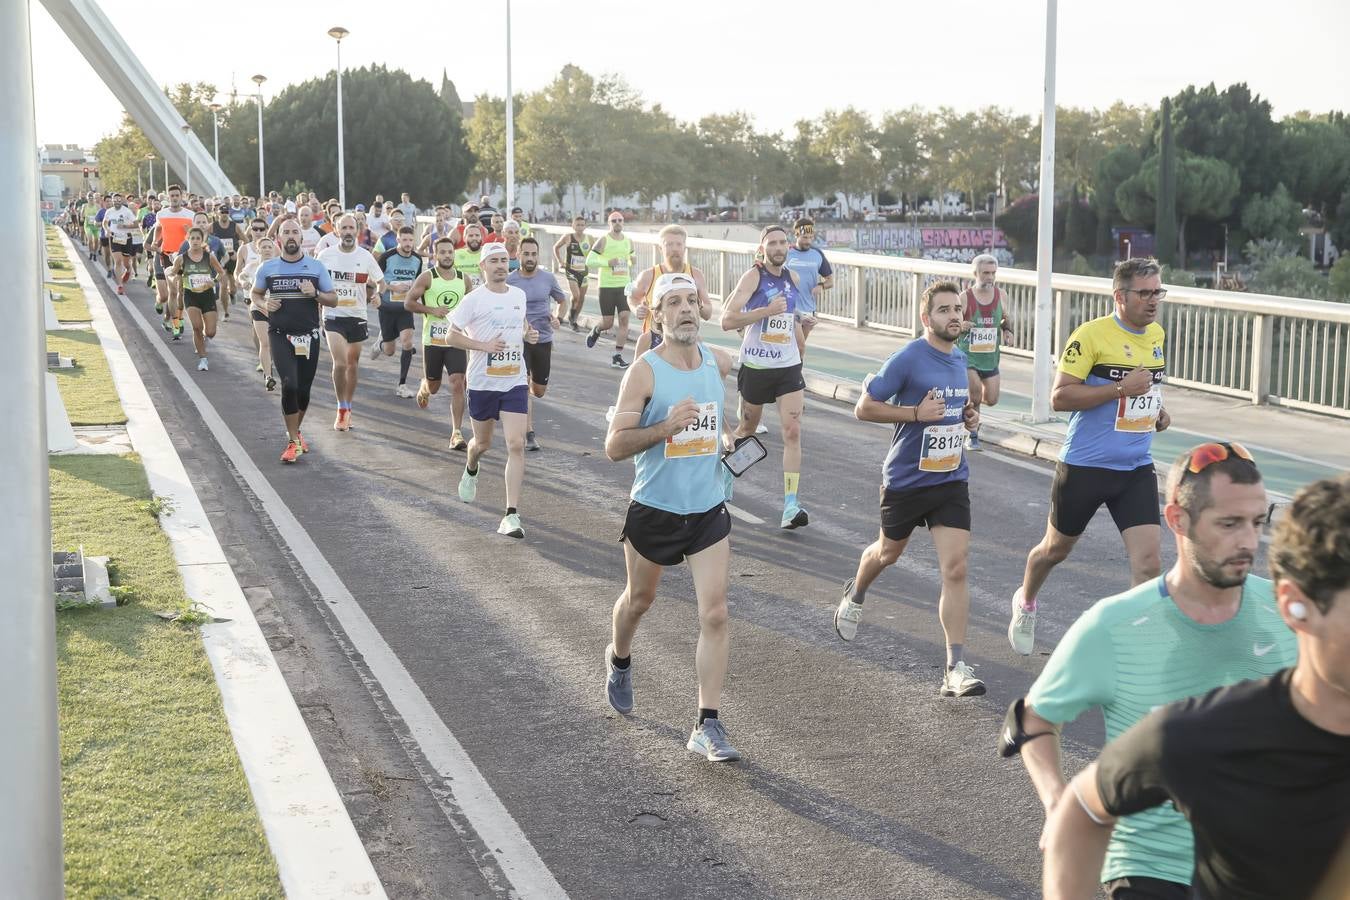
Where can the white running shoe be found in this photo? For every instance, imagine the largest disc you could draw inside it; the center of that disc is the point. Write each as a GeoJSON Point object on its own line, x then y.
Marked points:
{"type": "Point", "coordinates": [761, 428]}
{"type": "Point", "coordinates": [848, 615]}
{"type": "Point", "coordinates": [1022, 628]}
{"type": "Point", "coordinates": [510, 526]}
{"type": "Point", "coordinates": [468, 486]}
{"type": "Point", "coordinates": [376, 349]}
{"type": "Point", "coordinates": [403, 392]}
{"type": "Point", "coordinates": [960, 681]}
{"type": "Point", "coordinates": [202, 365]}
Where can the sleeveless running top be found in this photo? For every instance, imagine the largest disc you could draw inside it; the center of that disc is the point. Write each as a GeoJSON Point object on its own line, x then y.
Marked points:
{"type": "Point", "coordinates": [772, 343]}
{"type": "Point", "coordinates": [657, 271]}
{"type": "Point", "coordinates": [575, 258]}
{"type": "Point", "coordinates": [981, 343]}
{"type": "Point", "coordinates": [622, 250]}
{"type": "Point", "coordinates": [681, 474]}
{"type": "Point", "coordinates": [227, 235]}
{"type": "Point", "coordinates": [198, 277]}
{"type": "Point", "coordinates": [466, 263]}
{"type": "Point", "coordinates": [251, 266]}
{"type": "Point", "coordinates": [444, 293]}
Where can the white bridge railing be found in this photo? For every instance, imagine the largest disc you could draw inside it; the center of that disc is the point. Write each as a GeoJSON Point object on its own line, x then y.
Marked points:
{"type": "Point", "coordinates": [1262, 348]}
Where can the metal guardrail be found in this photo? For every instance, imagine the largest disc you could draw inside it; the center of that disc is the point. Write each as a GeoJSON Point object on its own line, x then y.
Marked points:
{"type": "Point", "coordinates": [1257, 347]}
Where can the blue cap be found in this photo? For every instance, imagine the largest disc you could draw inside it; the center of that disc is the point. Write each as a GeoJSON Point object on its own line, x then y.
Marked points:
{"type": "Point", "coordinates": [360, 207]}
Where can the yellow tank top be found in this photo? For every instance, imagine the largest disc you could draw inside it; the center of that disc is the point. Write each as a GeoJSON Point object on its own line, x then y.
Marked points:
{"type": "Point", "coordinates": [657, 271]}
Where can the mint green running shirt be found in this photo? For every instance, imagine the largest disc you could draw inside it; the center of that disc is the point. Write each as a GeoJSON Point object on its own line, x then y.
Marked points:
{"type": "Point", "coordinates": [1130, 654]}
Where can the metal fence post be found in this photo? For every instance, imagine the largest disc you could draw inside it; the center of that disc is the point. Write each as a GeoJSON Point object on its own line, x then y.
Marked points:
{"type": "Point", "coordinates": [916, 297]}
{"type": "Point", "coordinates": [859, 298]}
{"type": "Point", "coordinates": [30, 758]}
{"type": "Point", "coordinates": [722, 274]}
{"type": "Point", "coordinates": [1263, 357]}
{"type": "Point", "coordinates": [1062, 329]}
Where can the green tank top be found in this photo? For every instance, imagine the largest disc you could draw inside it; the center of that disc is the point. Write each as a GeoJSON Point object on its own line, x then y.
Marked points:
{"type": "Point", "coordinates": [466, 262]}
{"type": "Point", "coordinates": [444, 293]}
{"type": "Point", "coordinates": [981, 344]}
{"type": "Point", "coordinates": [197, 275]}
{"type": "Point", "coordinates": [621, 250]}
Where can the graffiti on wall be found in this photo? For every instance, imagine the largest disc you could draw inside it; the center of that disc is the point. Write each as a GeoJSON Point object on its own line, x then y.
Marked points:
{"type": "Point", "coordinates": [955, 244]}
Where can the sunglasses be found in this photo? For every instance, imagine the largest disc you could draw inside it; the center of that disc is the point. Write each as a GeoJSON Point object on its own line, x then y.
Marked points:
{"type": "Point", "coordinates": [1147, 295]}
{"type": "Point", "coordinates": [1202, 457]}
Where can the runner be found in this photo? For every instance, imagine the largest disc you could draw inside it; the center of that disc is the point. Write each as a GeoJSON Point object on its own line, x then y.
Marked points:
{"type": "Point", "coordinates": [251, 257]}
{"type": "Point", "coordinates": [377, 222]}
{"type": "Point", "coordinates": [814, 274]}
{"type": "Point", "coordinates": [518, 216]}
{"type": "Point", "coordinates": [986, 328]}
{"type": "Point", "coordinates": [104, 238]}
{"type": "Point", "coordinates": [541, 292]}
{"type": "Point", "coordinates": [120, 224]}
{"type": "Point", "coordinates": [309, 233]}
{"type": "Point", "coordinates": [570, 251]}
{"type": "Point", "coordinates": [290, 289]}
{"type": "Point", "coordinates": [400, 266]}
{"type": "Point", "coordinates": [1258, 767]}
{"type": "Point", "coordinates": [673, 259]}
{"type": "Point", "coordinates": [355, 275]}
{"type": "Point", "coordinates": [92, 228]}
{"type": "Point", "coordinates": [197, 269]}
{"type": "Point", "coordinates": [764, 304]}
{"type": "Point", "coordinates": [408, 208]}
{"type": "Point", "coordinates": [1110, 381]}
{"type": "Point", "coordinates": [441, 228]}
{"type": "Point", "coordinates": [145, 220]}
{"type": "Point", "coordinates": [510, 238]}
{"type": "Point", "coordinates": [922, 390]}
{"type": "Point", "coordinates": [1121, 655]}
{"type": "Point", "coordinates": [435, 294]}
{"type": "Point", "coordinates": [612, 254]}
{"type": "Point", "coordinates": [490, 323]}
{"type": "Point", "coordinates": [171, 226]}
{"type": "Point", "coordinates": [467, 256]}
{"type": "Point", "coordinates": [667, 419]}
{"type": "Point", "coordinates": [225, 230]}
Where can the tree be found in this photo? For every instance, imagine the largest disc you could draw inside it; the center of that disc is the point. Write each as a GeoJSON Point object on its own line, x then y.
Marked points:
{"type": "Point", "coordinates": [120, 154]}
{"type": "Point", "coordinates": [1277, 217]}
{"type": "Point", "coordinates": [1279, 270]}
{"type": "Point", "coordinates": [847, 138]}
{"type": "Point", "coordinates": [901, 156]}
{"type": "Point", "coordinates": [1234, 126]}
{"type": "Point", "coordinates": [1206, 189]}
{"type": "Point", "coordinates": [555, 149]}
{"type": "Point", "coordinates": [810, 171]}
{"type": "Point", "coordinates": [1165, 196]}
{"type": "Point", "coordinates": [1315, 161]}
{"type": "Point", "coordinates": [1112, 170]}
{"type": "Point", "coordinates": [1338, 279]}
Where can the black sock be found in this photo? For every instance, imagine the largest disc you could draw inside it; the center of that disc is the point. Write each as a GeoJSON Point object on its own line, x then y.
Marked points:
{"type": "Point", "coordinates": [620, 663]}
{"type": "Point", "coordinates": [510, 510]}
{"type": "Point", "coordinates": [856, 595]}
{"type": "Point", "coordinates": [473, 473]}
{"type": "Point", "coordinates": [404, 361]}
{"type": "Point", "coordinates": [706, 714]}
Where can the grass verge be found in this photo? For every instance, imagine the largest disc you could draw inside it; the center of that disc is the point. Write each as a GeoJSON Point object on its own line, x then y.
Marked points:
{"type": "Point", "coordinates": [87, 390]}
{"type": "Point", "coordinates": [68, 301]}
{"type": "Point", "coordinates": [155, 800]}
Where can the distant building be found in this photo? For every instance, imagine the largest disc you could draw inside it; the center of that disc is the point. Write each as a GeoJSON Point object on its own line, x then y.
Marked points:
{"type": "Point", "coordinates": [67, 170]}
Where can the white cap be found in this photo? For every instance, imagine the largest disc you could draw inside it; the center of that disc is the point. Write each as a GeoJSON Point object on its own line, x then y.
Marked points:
{"type": "Point", "coordinates": [674, 281]}
{"type": "Point", "coordinates": [492, 250]}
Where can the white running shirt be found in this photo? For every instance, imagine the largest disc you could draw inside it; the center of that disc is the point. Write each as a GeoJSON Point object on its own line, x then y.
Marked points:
{"type": "Point", "coordinates": [351, 273]}
{"type": "Point", "coordinates": [483, 315]}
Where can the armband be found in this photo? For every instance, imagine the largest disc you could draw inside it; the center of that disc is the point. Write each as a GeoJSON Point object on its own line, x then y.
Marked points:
{"type": "Point", "coordinates": [1013, 736]}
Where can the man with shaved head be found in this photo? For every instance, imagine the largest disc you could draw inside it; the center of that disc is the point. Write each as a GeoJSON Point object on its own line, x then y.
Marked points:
{"type": "Point", "coordinates": [355, 274]}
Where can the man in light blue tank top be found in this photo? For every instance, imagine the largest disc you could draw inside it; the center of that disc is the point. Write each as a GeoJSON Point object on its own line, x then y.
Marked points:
{"type": "Point", "coordinates": [668, 419]}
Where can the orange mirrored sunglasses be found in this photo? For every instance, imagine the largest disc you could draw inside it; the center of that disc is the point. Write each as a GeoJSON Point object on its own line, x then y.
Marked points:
{"type": "Point", "coordinates": [1205, 455]}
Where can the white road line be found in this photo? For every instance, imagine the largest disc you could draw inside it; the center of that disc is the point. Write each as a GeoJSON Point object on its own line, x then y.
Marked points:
{"type": "Point", "coordinates": [488, 816]}
{"type": "Point", "coordinates": [744, 516]}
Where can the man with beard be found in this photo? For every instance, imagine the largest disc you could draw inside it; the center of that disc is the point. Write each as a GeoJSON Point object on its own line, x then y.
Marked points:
{"type": "Point", "coordinates": [290, 289]}
{"type": "Point", "coordinates": [435, 293]}
{"type": "Point", "coordinates": [673, 259]}
{"type": "Point", "coordinates": [922, 390]}
{"type": "Point", "coordinates": [612, 254]}
{"type": "Point", "coordinates": [541, 292]}
{"type": "Point", "coordinates": [764, 304]}
{"type": "Point", "coordinates": [355, 275]}
{"type": "Point", "coordinates": [668, 420]}
{"type": "Point", "coordinates": [466, 257]}
{"type": "Point", "coordinates": [1207, 622]}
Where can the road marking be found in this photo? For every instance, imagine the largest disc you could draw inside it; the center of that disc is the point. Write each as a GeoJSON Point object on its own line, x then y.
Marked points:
{"type": "Point", "coordinates": [467, 789]}
{"type": "Point", "coordinates": [744, 516]}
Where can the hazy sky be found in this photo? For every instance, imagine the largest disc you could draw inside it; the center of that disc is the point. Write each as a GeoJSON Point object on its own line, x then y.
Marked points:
{"type": "Point", "coordinates": [781, 61]}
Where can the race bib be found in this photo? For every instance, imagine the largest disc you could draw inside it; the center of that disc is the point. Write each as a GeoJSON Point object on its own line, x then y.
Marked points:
{"type": "Point", "coordinates": [576, 262]}
{"type": "Point", "coordinates": [697, 439]}
{"type": "Point", "coordinates": [1139, 414]}
{"type": "Point", "coordinates": [504, 364]}
{"type": "Point", "coordinates": [228, 244]}
{"type": "Point", "coordinates": [621, 268]}
{"type": "Point", "coordinates": [199, 281]}
{"type": "Point", "coordinates": [778, 329]}
{"type": "Point", "coordinates": [301, 344]}
{"type": "Point", "coordinates": [983, 340]}
{"type": "Point", "coordinates": [348, 297]}
{"type": "Point", "coordinates": [942, 447]}
{"type": "Point", "coordinates": [439, 333]}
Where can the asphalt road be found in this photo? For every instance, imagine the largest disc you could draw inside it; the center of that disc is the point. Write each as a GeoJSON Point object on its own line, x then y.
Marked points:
{"type": "Point", "coordinates": [858, 779]}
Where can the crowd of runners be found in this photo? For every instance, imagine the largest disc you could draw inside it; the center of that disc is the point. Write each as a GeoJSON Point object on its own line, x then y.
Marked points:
{"type": "Point", "coordinates": [1226, 695]}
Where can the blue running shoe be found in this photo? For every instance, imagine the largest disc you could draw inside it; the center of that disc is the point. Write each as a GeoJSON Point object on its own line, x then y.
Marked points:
{"type": "Point", "coordinates": [710, 740]}
{"type": "Point", "coordinates": [592, 337]}
{"type": "Point", "coordinates": [618, 684]}
{"type": "Point", "coordinates": [974, 442]}
{"type": "Point", "coordinates": [794, 517]}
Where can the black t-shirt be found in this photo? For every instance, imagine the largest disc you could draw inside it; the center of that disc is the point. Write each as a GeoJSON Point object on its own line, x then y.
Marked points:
{"type": "Point", "coordinates": [1266, 791]}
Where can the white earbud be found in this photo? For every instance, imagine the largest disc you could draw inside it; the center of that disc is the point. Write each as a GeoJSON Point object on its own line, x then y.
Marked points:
{"type": "Point", "coordinates": [1298, 610]}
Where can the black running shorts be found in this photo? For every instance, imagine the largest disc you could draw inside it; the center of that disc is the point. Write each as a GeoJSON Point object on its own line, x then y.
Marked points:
{"type": "Point", "coordinates": [666, 538]}
{"type": "Point", "coordinates": [1079, 491]}
{"type": "Point", "coordinates": [761, 386]}
{"type": "Point", "coordinates": [947, 505]}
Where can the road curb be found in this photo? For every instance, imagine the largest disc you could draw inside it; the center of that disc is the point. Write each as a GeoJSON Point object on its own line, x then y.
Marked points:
{"type": "Point", "coordinates": [316, 847]}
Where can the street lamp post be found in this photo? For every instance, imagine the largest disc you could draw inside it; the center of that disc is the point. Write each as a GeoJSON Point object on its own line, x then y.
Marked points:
{"type": "Point", "coordinates": [215, 128]}
{"type": "Point", "coordinates": [188, 172]}
{"type": "Point", "coordinates": [337, 33]}
{"type": "Point", "coordinates": [150, 158]}
{"type": "Point", "coordinates": [510, 122]}
{"type": "Point", "coordinates": [1041, 374]}
{"type": "Point", "coordinates": [258, 80]}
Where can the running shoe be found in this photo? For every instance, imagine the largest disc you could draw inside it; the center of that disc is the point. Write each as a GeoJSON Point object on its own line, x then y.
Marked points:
{"type": "Point", "coordinates": [403, 392]}
{"type": "Point", "coordinates": [159, 308]}
{"type": "Point", "coordinates": [347, 418]}
{"type": "Point", "coordinates": [468, 486]}
{"type": "Point", "coordinates": [617, 362]}
{"type": "Point", "coordinates": [202, 365]}
{"type": "Point", "coordinates": [423, 395]}
{"type": "Point", "coordinates": [304, 444]}
{"type": "Point", "coordinates": [575, 327]}
{"type": "Point", "coordinates": [340, 421]}
{"type": "Point", "coordinates": [960, 681]}
{"type": "Point", "coordinates": [457, 441]}
{"type": "Point", "coordinates": [710, 740]}
{"type": "Point", "coordinates": [177, 330]}
{"type": "Point", "coordinates": [167, 327]}
{"type": "Point", "coordinates": [258, 368]}
{"type": "Point", "coordinates": [150, 281]}
{"type": "Point", "coordinates": [848, 615]}
{"type": "Point", "coordinates": [618, 684]}
{"type": "Point", "coordinates": [973, 442]}
{"type": "Point", "coordinates": [794, 517]}
{"type": "Point", "coordinates": [530, 442]}
{"type": "Point", "coordinates": [761, 428]}
{"type": "Point", "coordinates": [270, 383]}
{"type": "Point", "coordinates": [126, 276]}
{"type": "Point", "coordinates": [592, 337]}
{"type": "Point", "coordinates": [291, 452]}
{"type": "Point", "coordinates": [121, 290]}
{"type": "Point", "coordinates": [376, 349]}
{"type": "Point", "coordinates": [510, 526]}
{"type": "Point", "coordinates": [1022, 628]}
